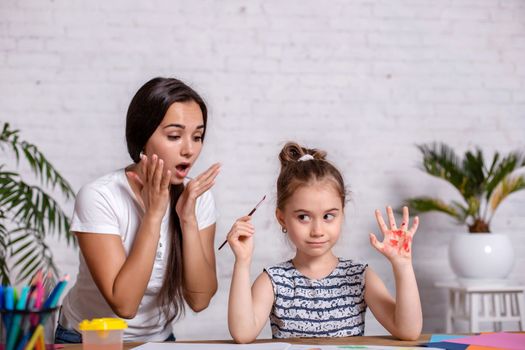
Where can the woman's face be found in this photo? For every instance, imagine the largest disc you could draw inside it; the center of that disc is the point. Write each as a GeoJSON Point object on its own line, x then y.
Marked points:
{"type": "Point", "coordinates": [178, 139]}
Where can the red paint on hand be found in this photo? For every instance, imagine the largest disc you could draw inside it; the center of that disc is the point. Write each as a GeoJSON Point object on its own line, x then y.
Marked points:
{"type": "Point", "coordinates": [399, 233]}
{"type": "Point", "coordinates": [394, 242]}
{"type": "Point", "coordinates": [406, 245]}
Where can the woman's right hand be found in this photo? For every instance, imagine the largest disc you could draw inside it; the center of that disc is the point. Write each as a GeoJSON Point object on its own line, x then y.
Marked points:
{"type": "Point", "coordinates": [154, 184]}
{"type": "Point", "coordinates": [240, 239]}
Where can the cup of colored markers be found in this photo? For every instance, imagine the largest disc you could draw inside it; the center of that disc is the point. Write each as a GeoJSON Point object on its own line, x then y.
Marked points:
{"type": "Point", "coordinates": [25, 312]}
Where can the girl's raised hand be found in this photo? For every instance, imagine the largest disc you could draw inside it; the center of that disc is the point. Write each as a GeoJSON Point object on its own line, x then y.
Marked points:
{"type": "Point", "coordinates": [240, 239]}
{"type": "Point", "coordinates": [186, 204]}
{"type": "Point", "coordinates": [397, 242]}
{"type": "Point", "coordinates": [153, 182]}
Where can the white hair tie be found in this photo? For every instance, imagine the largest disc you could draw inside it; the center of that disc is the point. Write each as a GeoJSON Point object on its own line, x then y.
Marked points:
{"type": "Point", "coordinates": [305, 157]}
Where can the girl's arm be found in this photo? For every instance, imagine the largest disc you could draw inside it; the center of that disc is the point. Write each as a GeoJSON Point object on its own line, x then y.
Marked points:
{"type": "Point", "coordinates": [122, 279]}
{"type": "Point", "coordinates": [248, 308]}
{"type": "Point", "coordinates": [200, 278]}
{"type": "Point", "coordinates": [402, 317]}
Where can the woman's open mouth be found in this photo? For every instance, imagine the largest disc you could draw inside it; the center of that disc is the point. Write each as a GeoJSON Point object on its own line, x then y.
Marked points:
{"type": "Point", "coordinates": [181, 170]}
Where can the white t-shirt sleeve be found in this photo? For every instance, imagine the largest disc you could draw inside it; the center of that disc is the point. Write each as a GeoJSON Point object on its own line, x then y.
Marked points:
{"type": "Point", "coordinates": [94, 212]}
{"type": "Point", "coordinates": [205, 210]}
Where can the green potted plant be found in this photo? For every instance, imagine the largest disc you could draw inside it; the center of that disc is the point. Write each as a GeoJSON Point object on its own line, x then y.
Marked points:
{"type": "Point", "coordinates": [482, 186]}
{"type": "Point", "coordinates": [28, 214]}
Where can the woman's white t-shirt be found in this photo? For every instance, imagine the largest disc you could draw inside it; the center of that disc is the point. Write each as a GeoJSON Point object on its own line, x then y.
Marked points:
{"type": "Point", "coordinates": [109, 206]}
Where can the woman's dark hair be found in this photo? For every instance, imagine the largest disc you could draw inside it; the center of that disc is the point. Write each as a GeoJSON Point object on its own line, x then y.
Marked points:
{"type": "Point", "coordinates": [296, 172]}
{"type": "Point", "coordinates": [145, 113]}
{"type": "Point", "coordinates": [149, 106]}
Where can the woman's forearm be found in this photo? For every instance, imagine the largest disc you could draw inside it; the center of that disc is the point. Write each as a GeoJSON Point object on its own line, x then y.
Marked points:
{"type": "Point", "coordinates": [132, 280]}
{"type": "Point", "coordinates": [200, 279]}
{"type": "Point", "coordinates": [241, 317]}
{"type": "Point", "coordinates": [408, 317]}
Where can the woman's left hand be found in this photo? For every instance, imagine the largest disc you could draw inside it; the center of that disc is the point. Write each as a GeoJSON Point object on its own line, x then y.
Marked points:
{"type": "Point", "coordinates": [397, 242]}
{"type": "Point", "coordinates": [186, 204]}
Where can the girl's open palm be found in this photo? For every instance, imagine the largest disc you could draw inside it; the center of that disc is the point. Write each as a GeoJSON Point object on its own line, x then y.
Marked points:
{"type": "Point", "coordinates": [397, 242]}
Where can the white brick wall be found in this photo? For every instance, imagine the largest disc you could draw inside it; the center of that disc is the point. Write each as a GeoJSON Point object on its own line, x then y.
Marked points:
{"type": "Point", "coordinates": [364, 80]}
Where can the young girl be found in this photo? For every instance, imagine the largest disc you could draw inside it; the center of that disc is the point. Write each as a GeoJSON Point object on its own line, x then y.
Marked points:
{"type": "Point", "coordinates": [145, 233]}
{"type": "Point", "coordinates": [317, 294]}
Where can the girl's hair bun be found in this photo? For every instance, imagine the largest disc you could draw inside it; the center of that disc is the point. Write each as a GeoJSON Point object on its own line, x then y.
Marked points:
{"type": "Point", "coordinates": [292, 152]}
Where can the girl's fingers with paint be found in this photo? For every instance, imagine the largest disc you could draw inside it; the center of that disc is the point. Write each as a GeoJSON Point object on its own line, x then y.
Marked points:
{"type": "Point", "coordinates": [397, 243]}
{"type": "Point", "coordinates": [240, 239]}
{"type": "Point", "coordinates": [153, 181]}
{"type": "Point", "coordinates": [186, 204]}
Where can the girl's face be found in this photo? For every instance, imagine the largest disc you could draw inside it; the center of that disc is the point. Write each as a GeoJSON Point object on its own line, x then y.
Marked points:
{"type": "Point", "coordinates": [313, 217]}
{"type": "Point", "coordinates": [178, 139]}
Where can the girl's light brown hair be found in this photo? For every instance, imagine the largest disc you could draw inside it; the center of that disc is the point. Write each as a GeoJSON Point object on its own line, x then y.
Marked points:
{"type": "Point", "coordinates": [296, 173]}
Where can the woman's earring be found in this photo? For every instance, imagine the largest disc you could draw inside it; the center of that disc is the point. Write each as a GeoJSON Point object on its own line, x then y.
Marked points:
{"type": "Point", "coordinates": [284, 229]}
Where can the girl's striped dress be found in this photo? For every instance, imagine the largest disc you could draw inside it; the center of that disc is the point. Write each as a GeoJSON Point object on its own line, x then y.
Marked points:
{"type": "Point", "coordinates": [330, 307]}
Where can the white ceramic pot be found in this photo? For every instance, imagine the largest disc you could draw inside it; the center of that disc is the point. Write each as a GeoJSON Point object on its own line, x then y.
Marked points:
{"type": "Point", "coordinates": [481, 257]}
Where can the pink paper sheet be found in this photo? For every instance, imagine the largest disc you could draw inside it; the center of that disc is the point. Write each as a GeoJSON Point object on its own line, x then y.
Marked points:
{"type": "Point", "coordinates": [514, 341]}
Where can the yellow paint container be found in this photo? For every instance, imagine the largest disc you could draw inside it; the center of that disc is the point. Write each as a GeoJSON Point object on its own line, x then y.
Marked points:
{"type": "Point", "coordinates": [102, 333]}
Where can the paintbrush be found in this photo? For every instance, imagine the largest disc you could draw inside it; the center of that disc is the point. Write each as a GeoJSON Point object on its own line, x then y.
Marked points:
{"type": "Point", "coordinates": [250, 214]}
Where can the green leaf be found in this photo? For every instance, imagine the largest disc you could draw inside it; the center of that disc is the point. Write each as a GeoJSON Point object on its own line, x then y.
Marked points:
{"type": "Point", "coordinates": [33, 212]}
{"type": "Point", "coordinates": [474, 180]}
{"type": "Point", "coordinates": [502, 169]}
{"type": "Point", "coordinates": [22, 247]}
{"type": "Point", "coordinates": [30, 268]}
{"type": "Point", "coordinates": [507, 186]}
{"type": "Point", "coordinates": [441, 161]}
{"type": "Point", "coordinates": [427, 204]}
{"type": "Point", "coordinates": [473, 168]}
{"type": "Point", "coordinates": [4, 237]}
{"type": "Point", "coordinates": [40, 214]}
{"type": "Point", "coordinates": [461, 210]}
{"type": "Point", "coordinates": [32, 253]}
{"type": "Point", "coordinates": [473, 206]}
{"type": "Point", "coordinates": [493, 165]}
{"type": "Point", "coordinates": [40, 166]}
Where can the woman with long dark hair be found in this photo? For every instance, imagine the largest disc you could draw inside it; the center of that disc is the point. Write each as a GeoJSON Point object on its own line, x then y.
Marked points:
{"type": "Point", "coordinates": [146, 231]}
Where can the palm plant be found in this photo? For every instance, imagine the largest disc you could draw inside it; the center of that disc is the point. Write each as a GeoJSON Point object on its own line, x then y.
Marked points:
{"type": "Point", "coordinates": [27, 213]}
{"type": "Point", "coordinates": [482, 186]}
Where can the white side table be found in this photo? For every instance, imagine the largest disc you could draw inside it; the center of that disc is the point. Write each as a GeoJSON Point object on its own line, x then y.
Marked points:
{"type": "Point", "coordinates": [484, 303]}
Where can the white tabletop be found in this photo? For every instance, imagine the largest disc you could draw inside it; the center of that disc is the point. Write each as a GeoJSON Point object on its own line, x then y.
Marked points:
{"type": "Point", "coordinates": [508, 286]}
